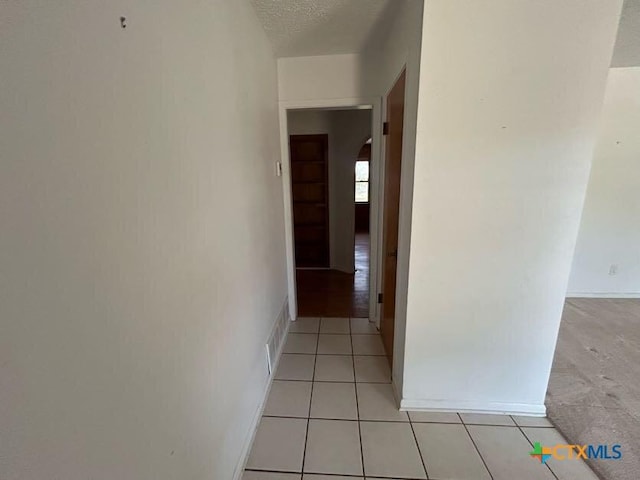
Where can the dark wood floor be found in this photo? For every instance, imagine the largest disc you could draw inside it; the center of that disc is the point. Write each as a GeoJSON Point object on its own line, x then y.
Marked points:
{"type": "Point", "coordinates": [330, 293]}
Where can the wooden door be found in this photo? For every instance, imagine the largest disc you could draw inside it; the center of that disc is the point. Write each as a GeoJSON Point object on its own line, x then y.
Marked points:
{"type": "Point", "coordinates": [391, 207]}
{"type": "Point", "coordinates": [310, 193]}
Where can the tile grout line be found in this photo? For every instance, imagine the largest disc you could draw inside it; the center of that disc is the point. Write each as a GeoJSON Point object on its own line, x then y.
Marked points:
{"type": "Point", "coordinates": [351, 419]}
{"type": "Point", "coordinates": [371, 383]}
{"type": "Point", "coordinates": [492, 424]}
{"type": "Point", "coordinates": [306, 437]}
{"type": "Point", "coordinates": [530, 443]}
{"type": "Point", "coordinates": [337, 475]}
{"type": "Point", "coordinates": [415, 439]}
{"type": "Point", "coordinates": [355, 387]}
{"type": "Point", "coordinates": [431, 422]}
{"type": "Point", "coordinates": [339, 354]}
{"type": "Point", "coordinates": [475, 446]}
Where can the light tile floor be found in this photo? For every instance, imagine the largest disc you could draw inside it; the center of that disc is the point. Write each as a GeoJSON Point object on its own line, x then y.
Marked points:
{"type": "Point", "coordinates": [331, 415]}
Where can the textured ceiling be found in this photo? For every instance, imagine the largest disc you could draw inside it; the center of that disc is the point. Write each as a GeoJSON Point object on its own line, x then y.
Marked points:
{"type": "Point", "coordinates": [627, 51]}
{"type": "Point", "coordinates": [327, 27]}
{"type": "Point", "coordinates": [298, 28]}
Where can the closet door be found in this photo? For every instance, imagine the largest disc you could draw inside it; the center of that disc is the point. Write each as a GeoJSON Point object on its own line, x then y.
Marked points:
{"type": "Point", "coordinates": [310, 193]}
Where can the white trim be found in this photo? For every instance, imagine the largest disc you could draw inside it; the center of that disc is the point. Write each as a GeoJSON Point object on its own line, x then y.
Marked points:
{"type": "Point", "coordinates": [375, 278]}
{"type": "Point", "coordinates": [375, 212]}
{"type": "Point", "coordinates": [603, 295]}
{"type": "Point", "coordinates": [288, 212]}
{"type": "Point", "coordinates": [335, 103]}
{"type": "Point", "coordinates": [397, 394]}
{"type": "Point", "coordinates": [255, 421]}
{"type": "Point", "coordinates": [396, 385]}
{"type": "Point", "coordinates": [427, 405]}
{"type": "Point", "coordinates": [376, 132]}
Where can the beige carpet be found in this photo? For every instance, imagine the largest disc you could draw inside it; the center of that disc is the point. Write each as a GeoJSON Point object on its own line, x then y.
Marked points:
{"type": "Point", "coordinates": [594, 390]}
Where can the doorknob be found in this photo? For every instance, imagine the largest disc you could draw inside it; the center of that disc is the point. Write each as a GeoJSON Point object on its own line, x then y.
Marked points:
{"type": "Point", "coordinates": [393, 253]}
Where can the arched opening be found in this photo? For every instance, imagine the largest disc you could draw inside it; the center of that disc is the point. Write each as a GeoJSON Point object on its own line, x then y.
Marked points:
{"type": "Point", "coordinates": [362, 197]}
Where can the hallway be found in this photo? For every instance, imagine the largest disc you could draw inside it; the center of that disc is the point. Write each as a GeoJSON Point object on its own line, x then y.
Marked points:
{"type": "Point", "coordinates": [331, 415]}
{"type": "Point", "coordinates": [331, 293]}
{"type": "Point", "coordinates": [167, 166]}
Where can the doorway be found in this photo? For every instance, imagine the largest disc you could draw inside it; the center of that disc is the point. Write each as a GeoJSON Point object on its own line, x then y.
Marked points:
{"type": "Point", "coordinates": [330, 236]}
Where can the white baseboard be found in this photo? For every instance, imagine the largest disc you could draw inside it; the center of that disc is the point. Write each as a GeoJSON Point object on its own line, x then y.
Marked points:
{"type": "Point", "coordinates": [603, 295]}
{"type": "Point", "coordinates": [246, 445]}
{"type": "Point", "coordinates": [427, 405]}
{"type": "Point", "coordinates": [397, 391]}
{"type": "Point", "coordinates": [255, 421]}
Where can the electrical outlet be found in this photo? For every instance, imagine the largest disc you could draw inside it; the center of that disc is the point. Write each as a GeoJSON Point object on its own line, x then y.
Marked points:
{"type": "Point", "coordinates": [613, 269]}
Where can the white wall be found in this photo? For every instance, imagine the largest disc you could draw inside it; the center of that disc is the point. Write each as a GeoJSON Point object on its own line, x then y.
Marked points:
{"type": "Point", "coordinates": [142, 259]}
{"type": "Point", "coordinates": [509, 101]}
{"type": "Point", "coordinates": [351, 129]}
{"type": "Point", "coordinates": [347, 131]}
{"type": "Point", "coordinates": [610, 228]}
{"type": "Point", "coordinates": [322, 77]}
{"type": "Point", "coordinates": [309, 122]}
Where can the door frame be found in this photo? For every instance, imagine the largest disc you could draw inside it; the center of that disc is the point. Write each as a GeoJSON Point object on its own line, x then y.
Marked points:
{"type": "Point", "coordinates": [375, 169]}
{"type": "Point", "coordinates": [400, 238]}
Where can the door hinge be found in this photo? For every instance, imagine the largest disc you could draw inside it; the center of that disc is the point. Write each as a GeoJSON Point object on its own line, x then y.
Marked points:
{"type": "Point", "coordinates": [379, 298]}
{"type": "Point", "coordinates": [385, 128]}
